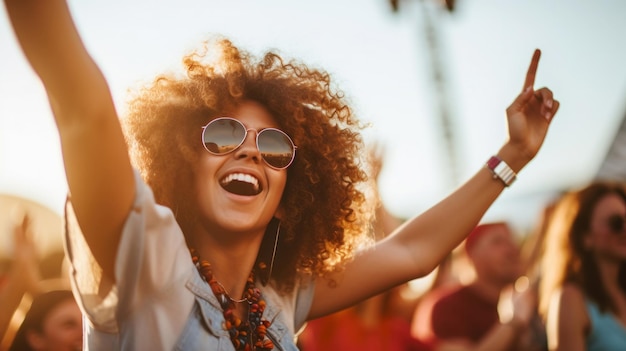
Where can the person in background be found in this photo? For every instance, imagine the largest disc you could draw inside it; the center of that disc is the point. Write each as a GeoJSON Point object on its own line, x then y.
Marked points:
{"type": "Point", "coordinates": [533, 244]}
{"type": "Point", "coordinates": [467, 317]}
{"type": "Point", "coordinates": [583, 283]}
{"type": "Point", "coordinates": [531, 251]}
{"type": "Point", "coordinates": [23, 277]}
{"type": "Point", "coordinates": [52, 323]}
{"type": "Point", "coordinates": [224, 210]}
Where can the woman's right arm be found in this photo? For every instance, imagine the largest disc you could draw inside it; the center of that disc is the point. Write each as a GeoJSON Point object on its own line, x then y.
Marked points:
{"type": "Point", "coordinates": [97, 165]}
{"type": "Point", "coordinates": [567, 320]}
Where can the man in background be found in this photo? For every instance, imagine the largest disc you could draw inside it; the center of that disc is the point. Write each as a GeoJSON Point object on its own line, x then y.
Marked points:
{"type": "Point", "coordinates": [467, 317]}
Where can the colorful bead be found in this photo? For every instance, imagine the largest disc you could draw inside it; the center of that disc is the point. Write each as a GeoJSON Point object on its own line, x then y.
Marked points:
{"type": "Point", "coordinates": [237, 329]}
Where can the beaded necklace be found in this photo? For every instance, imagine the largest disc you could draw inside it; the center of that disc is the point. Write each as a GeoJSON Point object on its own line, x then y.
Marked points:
{"type": "Point", "coordinates": [246, 335]}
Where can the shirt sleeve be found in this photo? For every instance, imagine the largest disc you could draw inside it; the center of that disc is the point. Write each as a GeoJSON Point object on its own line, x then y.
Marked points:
{"type": "Point", "coordinates": [304, 300]}
{"type": "Point", "coordinates": [293, 307]}
{"type": "Point", "coordinates": [152, 262]}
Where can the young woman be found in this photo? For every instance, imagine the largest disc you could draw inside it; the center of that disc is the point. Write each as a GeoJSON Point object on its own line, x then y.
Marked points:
{"type": "Point", "coordinates": [583, 286]}
{"type": "Point", "coordinates": [231, 213]}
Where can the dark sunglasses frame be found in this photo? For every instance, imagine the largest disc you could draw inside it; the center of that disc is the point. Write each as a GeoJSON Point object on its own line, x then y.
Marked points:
{"type": "Point", "coordinates": [245, 135]}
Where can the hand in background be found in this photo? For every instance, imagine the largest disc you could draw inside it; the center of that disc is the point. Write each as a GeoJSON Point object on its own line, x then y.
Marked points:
{"type": "Point", "coordinates": [385, 223]}
{"type": "Point", "coordinates": [375, 154]}
{"type": "Point", "coordinates": [25, 266]}
{"type": "Point", "coordinates": [23, 276]}
{"type": "Point", "coordinates": [517, 306]}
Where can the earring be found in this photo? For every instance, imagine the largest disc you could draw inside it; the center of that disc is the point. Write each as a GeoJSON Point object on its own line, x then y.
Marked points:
{"type": "Point", "coordinates": [265, 271]}
{"type": "Point", "coordinates": [269, 275]}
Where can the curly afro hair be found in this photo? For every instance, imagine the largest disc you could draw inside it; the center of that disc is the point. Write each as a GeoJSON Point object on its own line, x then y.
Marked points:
{"type": "Point", "coordinates": [324, 217]}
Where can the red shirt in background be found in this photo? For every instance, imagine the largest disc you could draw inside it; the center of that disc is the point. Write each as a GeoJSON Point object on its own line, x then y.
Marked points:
{"type": "Point", "coordinates": [454, 313]}
{"type": "Point", "coordinates": [346, 331]}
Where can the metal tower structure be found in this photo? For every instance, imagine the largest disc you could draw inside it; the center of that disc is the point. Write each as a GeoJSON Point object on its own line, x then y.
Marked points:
{"type": "Point", "coordinates": [442, 110]}
{"type": "Point", "coordinates": [613, 166]}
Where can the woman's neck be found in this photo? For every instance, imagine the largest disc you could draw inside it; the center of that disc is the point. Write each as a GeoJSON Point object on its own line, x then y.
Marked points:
{"type": "Point", "coordinates": [487, 289]}
{"type": "Point", "coordinates": [609, 274]}
{"type": "Point", "coordinates": [231, 260]}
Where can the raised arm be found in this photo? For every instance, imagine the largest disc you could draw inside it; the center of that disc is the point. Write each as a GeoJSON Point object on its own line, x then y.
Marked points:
{"type": "Point", "coordinates": [23, 276]}
{"type": "Point", "coordinates": [417, 246]}
{"type": "Point", "coordinates": [96, 159]}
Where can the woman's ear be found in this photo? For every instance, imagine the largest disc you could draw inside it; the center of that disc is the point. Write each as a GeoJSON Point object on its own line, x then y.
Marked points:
{"type": "Point", "coordinates": [280, 213]}
{"type": "Point", "coordinates": [587, 241]}
{"type": "Point", "coordinates": [35, 340]}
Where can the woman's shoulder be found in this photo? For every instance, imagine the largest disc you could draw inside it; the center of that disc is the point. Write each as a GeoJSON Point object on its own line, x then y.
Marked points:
{"type": "Point", "coordinates": [567, 322]}
{"type": "Point", "coordinates": [571, 294]}
{"type": "Point", "coordinates": [571, 303]}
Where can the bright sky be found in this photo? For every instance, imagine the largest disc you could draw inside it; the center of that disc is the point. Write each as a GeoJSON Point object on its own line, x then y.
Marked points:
{"type": "Point", "coordinates": [382, 63]}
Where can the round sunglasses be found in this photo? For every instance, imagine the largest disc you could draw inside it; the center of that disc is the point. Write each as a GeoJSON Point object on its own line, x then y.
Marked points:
{"type": "Point", "coordinates": [225, 134]}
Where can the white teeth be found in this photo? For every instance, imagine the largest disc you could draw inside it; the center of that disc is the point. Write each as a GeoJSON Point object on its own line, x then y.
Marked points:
{"type": "Point", "coordinates": [242, 177]}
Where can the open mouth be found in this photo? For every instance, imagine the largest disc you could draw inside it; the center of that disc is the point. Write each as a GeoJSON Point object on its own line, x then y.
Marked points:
{"type": "Point", "coordinates": [241, 184]}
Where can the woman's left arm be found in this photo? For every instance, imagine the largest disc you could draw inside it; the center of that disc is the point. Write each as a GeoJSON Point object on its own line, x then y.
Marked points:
{"type": "Point", "coordinates": [418, 245]}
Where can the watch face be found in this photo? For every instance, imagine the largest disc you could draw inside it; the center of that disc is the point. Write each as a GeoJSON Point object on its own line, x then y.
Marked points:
{"type": "Point", "coordinates": [501, 170]}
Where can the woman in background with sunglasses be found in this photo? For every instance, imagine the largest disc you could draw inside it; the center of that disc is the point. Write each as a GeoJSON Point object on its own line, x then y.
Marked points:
{"type": "Point", "coordinates": [243, 215]}
{"type": "Point", "coordinates": [583, 283]}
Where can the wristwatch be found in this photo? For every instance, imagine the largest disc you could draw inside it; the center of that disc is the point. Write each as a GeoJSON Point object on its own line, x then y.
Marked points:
{"type": "Point", "coordinates": [501, 170]}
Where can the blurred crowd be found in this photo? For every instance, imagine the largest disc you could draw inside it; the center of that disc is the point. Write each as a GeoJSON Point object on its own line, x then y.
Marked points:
{"type": "Point", "coordinates": [37, 310]}
{"type": "Point", "coordinates": [561, 286]}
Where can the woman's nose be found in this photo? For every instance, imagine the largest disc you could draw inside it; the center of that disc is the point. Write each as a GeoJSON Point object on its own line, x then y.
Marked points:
{"type": "Point", "coordinates": [249, 148]}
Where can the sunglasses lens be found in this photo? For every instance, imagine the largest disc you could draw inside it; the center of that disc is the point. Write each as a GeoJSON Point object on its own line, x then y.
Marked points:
{"type": "Point", "coordinates": [616, 223]}
{"type": "Point", "coordinates": [223, 135]}
{"type": "Point", "coordinates": [276, 148]}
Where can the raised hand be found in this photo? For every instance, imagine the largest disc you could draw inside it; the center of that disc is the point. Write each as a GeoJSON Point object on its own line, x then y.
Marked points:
{"type": "Point", "coordinates": [376, 155]}
{"type": "Point", "coordinates": [517, 306]}
{"type": "Point", "coordinates": [25, 267]}
{"type": "Point", "coordinates": [23, 276]}
{"type": "Point", "coordinates": [530, 114]}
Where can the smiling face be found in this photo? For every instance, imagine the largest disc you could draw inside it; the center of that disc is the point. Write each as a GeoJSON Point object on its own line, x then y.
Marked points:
{"type": "Point", "coordinates": [605, 242]}
{"type": "Point", "coordinates": [496, 255]}
{"type": "Point", "coordinates": [238, 191]}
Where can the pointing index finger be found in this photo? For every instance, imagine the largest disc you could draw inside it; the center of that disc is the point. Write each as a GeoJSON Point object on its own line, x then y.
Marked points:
{"type": "Point", "coordinates": [532, 70]}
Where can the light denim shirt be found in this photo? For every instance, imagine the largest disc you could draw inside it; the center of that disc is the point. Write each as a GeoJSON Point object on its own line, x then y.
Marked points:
{"type": "Point", "coordinates": [160, 301]}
